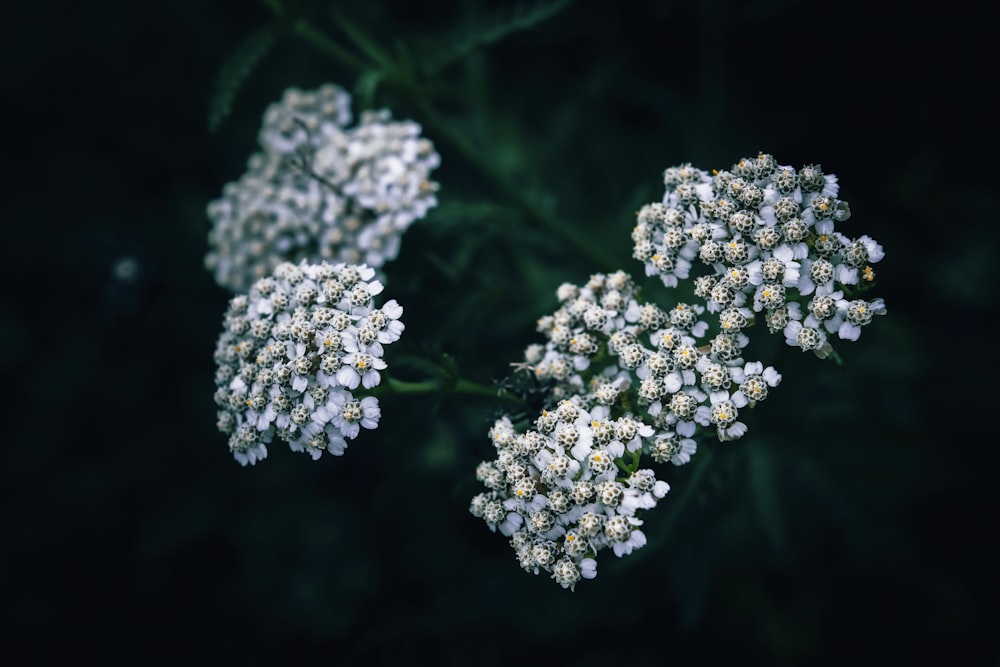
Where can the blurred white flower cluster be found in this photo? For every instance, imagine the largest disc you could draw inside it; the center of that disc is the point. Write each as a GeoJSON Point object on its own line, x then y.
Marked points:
{"type": "Point", "coordinates": [292, 355]}
{"type": "Point", "coordinates": [320, 190]}
{"type": "Point", "coordinates": [627, 379]}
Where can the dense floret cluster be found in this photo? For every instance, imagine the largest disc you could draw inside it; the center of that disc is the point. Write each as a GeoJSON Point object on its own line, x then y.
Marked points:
{"type": "Point", "coordinates": [292, 355]}
{"type": "Point", "coordinates": [761, 238]}
{"type": "Point", "coordinates": [319, 190]}
{"type": "Point", "coordinates": [627, 379]}
{"type": "Point", "coordinates": [556, 491]}
{"type": "Point", "coordinates": [665, 367]}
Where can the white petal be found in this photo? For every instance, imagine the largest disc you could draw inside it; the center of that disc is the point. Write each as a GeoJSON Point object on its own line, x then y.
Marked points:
{"type": "Point", "coordinates": [370, 379]}
{"type": "Point", "coordinates": [849, 331]}
{"type": "Point", "coordinates": [348, 377]}
{"type": "Point", "coordinates": [392, 309]}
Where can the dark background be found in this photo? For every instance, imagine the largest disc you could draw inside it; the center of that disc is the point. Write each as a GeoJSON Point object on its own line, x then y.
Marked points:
{"type": "Point", "coordinates": [855, 522]}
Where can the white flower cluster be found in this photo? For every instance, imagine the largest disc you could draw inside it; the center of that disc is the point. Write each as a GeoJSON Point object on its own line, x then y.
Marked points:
{"type": "Point", "coordinates": [605, 347]}
{"type": "Point", "coordinates": [766, 234]}
{"type": "Point", "coordinates": [319, 190]}
{"type": "Point", "coordinates": [633, 379]}
{"type": "Point", "coordinates": [629, 379]}
{"type": "Point", "coordinates": [292, 353]}
{"type": "Point", "coordinates": [560, 492]}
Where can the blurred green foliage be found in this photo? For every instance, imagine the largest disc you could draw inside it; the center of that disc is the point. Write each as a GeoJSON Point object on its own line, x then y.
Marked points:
{"type": "Point", "coordinates": [855, 522]}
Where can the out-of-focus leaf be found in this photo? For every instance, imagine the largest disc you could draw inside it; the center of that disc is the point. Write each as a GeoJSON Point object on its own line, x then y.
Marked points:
{"type": "Point", "coordinates": [489, 28]}
{"type": "Point", "coordinates": [460, 215]}
{"type": "Point", "coordinates": [235, 72]}
{"type": "Point", "coordinates": [277, 6]}
{"type": "Point", "coordinates": [366, 87]}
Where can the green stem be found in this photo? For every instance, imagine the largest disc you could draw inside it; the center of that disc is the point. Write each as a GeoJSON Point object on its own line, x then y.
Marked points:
{"type": "Point", "coordinates": [629, 467]}
{"type": "Point", "coordinates": [394, 386]}
{"type": "Point", "coordinates": [475, 389]}
{"type": "Point", "coordinates": [462, 386]}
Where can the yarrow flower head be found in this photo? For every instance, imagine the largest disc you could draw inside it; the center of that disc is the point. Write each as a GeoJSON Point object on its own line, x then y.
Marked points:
{"type": "Point", "coordinates": [627, 378]}
{"type": "Point", "coordinates": [560, 493]}
{"type": "Point", "coordinates": [319, 190]}
{"type": "Point", "coordinates": [292, 355]}
{"type": "Point", "coordinates": [667, 370]}
{"type": "Point", "coordinates": [763, 238]}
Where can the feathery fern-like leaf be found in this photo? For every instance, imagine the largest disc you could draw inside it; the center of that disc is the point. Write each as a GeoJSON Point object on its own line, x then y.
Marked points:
{"type": "Point", "coordinates": [233, 74]}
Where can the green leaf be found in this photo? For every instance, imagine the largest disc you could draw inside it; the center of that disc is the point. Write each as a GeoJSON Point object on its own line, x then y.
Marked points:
{"type": "Point", "coordinates": [366, 87]}
{"type": "Point", "coordinates": [486, 29]}
{"type": "Point", "coordinates": [450, 373]}
{"type": "Point", "coordinates": [234, 73]}
{"type": "Point", "coordinates": [463, 213]}
{"type": "Point", "coordinates": [275, 6]}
